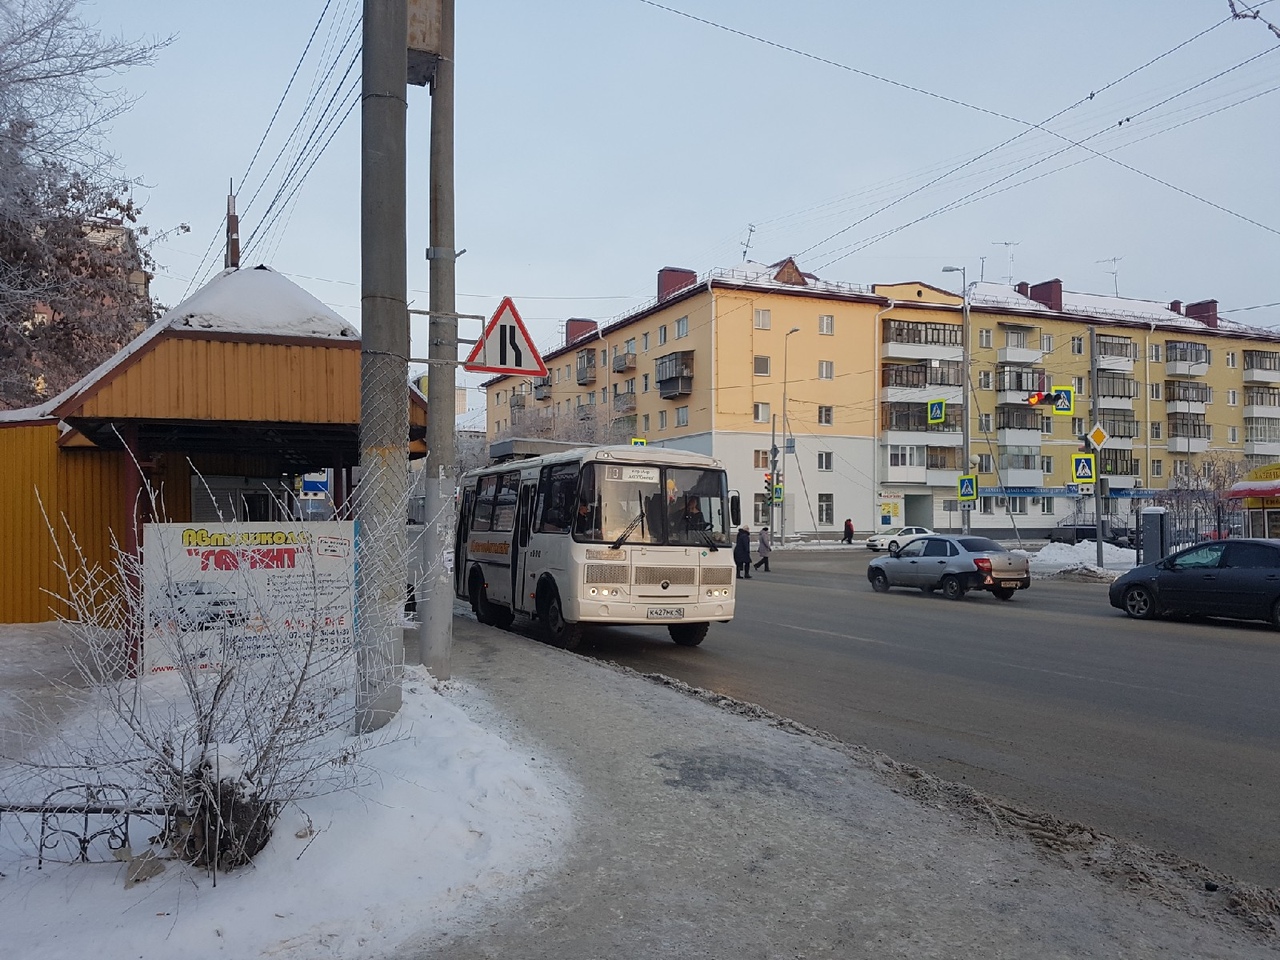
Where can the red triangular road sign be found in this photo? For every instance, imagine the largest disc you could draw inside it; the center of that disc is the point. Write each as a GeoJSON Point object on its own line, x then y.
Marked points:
{"type": "Point", "coordinates": [505, 346]}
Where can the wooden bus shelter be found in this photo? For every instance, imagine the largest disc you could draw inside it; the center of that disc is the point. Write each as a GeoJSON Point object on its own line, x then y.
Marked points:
{"type": "Point", "coordinates": [250, 378]}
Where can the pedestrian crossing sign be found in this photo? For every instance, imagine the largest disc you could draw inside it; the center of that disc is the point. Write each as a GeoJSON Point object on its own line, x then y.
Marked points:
{"type": "Point", "coordinates": [639, 442]}
{"type": "Point", "coordinates": [937, 411]}
{"type": "Point", "coordinates": [967, 487]}
{"type": "Point", "coordinates": [1083, 467]}
{"type": "Point", "coordinates": [777, 493]}
{"type": "Point", "coordinates": [1064, 404]}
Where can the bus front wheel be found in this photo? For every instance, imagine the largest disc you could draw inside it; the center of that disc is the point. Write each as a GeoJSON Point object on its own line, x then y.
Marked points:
{"type": "Point", "coordinates": [688, 634]}
{"type": "Point", "coordinates": [559, 632]}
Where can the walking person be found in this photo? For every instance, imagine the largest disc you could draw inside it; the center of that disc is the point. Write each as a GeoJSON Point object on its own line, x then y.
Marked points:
{"type": "Point", "coordinates": [764, 548]}
{"type": "Point", "coordinates": [848, 531]}
{"type": "Point", "coordinates": [742, 553]}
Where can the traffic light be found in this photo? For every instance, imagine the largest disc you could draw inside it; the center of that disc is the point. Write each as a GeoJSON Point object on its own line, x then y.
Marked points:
{"type": "Point", "coordinates": [768, 484]}
{"type": "Point", "coordinates": [1042, 397]}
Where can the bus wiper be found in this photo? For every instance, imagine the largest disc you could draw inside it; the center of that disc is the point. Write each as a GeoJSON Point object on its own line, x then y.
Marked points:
{"type": "Point", "coordinates": [630, 528]}
{"type": "Point", "coordinates": [708, 540]}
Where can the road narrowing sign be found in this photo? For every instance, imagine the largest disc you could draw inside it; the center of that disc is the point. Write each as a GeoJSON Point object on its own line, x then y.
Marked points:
{"type": "Point", "coordinates": [505, 346]}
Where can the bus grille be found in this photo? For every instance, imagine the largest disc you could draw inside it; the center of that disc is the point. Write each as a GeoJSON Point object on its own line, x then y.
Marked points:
{"type": "Point", "coordinates": [647, 576]}
{"type": "Point", "coordinates": [717, 575]}
{"type": "Point", "coordinates": [606, 573]}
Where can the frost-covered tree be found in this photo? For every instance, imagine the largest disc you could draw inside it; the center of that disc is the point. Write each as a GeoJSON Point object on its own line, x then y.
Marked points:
{"type": "Point", "coordinates": [72, 273]}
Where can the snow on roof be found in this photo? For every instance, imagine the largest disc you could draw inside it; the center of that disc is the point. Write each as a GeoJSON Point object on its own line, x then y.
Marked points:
{"type": "Point", "coordinates": [257, 301]}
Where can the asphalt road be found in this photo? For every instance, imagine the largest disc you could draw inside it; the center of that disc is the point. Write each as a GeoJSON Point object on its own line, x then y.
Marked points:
{"type": "Point", "coordinates": [1166, 733]}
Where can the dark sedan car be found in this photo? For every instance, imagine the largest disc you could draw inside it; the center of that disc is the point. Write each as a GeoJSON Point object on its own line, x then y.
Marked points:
{"type": "Point", "coordinates": [1232, 578]}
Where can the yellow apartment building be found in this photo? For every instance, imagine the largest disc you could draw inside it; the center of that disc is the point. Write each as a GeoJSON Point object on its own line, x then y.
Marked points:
{"type": "Point", "coordinates": [841, 378]}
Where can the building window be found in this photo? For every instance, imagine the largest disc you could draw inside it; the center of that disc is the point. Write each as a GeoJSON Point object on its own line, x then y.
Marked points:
{"type": "Point", "coordinates": [826, 509]}
{"type": "Point", "coordinates": [1154, 355]}
{"type": "Point", "coordinates": [1181, 467]}
{"type": "Point", "coordinates": [984, 423]}
{"type": "Point", "coordinates": [987, 504]}
{"type": "Point", "coordinates": [662, 419]}
{"type": "Point", "coordinates": [762, 366]}
{"type": "Point", "coordinates": [1233, 397]}
{"type": "Point", "coordinates": [760, 459]}
{"type": "Point", "coordinates": [1077, 384]}
{"type": "Point", "coordinates": [1046, 464]}
{"type": "Point", "coordinates": [1018, 505]}
{"type": "Point", "coordinates": [826, 370]}
{"type": "Point", "coordinates": [760, 507]}
{"type": "Point", "coordinates": [984, 463]}
{"type": "Point", "coordinates": [1077, 346]}
{"type": "Point", "coordinates": [1157, 468]}
{"type": "Point", "coordinates": [644, 342]}
{"type": "Point", "coordinates": [900, 456]}
{"type": "Point", "coordinates": [825, 460]}
{"type": "Point", "coordinates": [826, 325]}
{"type": "Point", "coordinates": [760, 412]}
{"type": "Point", "coordinates": [1046, 424]}
{"type": "Point", "coordinates": [825, 415]}
{"type": "Point", "coordinates": [1046, 343]}
{"type": "Point", "coordinates": [984, 379]}
{"type": "Point", "coordinates": [1046, 506]}
{"type": "Point", "coordinates": [644, 382]}
{"type": "Point", "coordinates": [662, 334]}
{"type": "Point", "coordinates": [1231, 358]}
{"type": "Point", "coordinates": [682, 327]}
{"type": "Point", "coordinates": [1157, 428]}
{"type": "Point", "coordinates": [764, 319]}
{"type": "Point", "coordinates": [1155, 391]}
{"type": "Point", "coordinates": [984, 337]}
{"type": "Point", "coordinates": [644, 423]}
{"type": "Point", "coordinates": [1077, 426]}
{"type": "Point", "coordinates": [682, 416]}
{"type": "Point", "coordinates": [1233, 435]}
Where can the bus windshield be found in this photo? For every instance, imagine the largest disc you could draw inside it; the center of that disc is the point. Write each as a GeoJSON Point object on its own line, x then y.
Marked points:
{"type": "Point", "coordinates": [651, 504]}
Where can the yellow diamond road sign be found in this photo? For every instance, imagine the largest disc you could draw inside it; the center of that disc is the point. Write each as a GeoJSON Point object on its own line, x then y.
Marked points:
{"type": "Point", "coordinates": [1098, 436]}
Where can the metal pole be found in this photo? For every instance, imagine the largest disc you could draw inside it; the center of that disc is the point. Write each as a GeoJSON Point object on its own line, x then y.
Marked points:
{"type": "Point", "coordinates": [966, 407]}
{"type": "Point", "coordinates": [773, 470]}
{"type": "Point", "coordinates": [1093, 414]}
{"type": "Point", "coordinates": [435, 635]}
{"type": "Point", "coordinates": [779, 478]}
{"type": "Point", "coordinates": [384, 366]}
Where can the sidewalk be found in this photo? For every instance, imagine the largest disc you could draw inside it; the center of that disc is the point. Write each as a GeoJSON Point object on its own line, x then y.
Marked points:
{"type": "Point", "coordinates": [707, 828]}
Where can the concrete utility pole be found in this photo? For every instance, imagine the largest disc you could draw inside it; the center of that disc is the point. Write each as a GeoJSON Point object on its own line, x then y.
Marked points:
{"type": "Point", "coordinates": [384, 365]}
{"type": "Point", "coordinates": [436, 630]}
{"type": "Point", "coordinates": [966, 404]}
{"type": "Point", "coordinates": [1093, 414]}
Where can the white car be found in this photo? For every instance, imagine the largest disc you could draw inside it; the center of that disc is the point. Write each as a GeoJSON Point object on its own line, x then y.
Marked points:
{"type": "Point", "coordinates": [896, 538]}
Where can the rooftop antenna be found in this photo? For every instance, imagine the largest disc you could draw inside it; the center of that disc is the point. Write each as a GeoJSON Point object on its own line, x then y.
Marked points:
{"type": "Point", "coordinates": [1114, 271]}
{"type": "Point", "coordinates": [232, 258]}
{"type": "Point", "coordinates": [982, 269]}
{"type": "Point", "coordinates": [746, 244]}
{"type": "Point", "coordinates": [1008, 246]}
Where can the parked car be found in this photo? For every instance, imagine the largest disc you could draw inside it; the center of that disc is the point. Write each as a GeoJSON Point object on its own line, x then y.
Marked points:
{"type": "Point", "coordinates": [954, 565]}
{"type": "Point", "coordinates": [1073, 535]}
{"type": "Point", "coordinates": [896, 537]}
{"type": "Point", "coordinates": [1224, 578]}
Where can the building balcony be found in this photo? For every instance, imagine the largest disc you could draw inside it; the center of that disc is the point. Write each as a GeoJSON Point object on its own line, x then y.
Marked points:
{"type": "Point", "coordinates": [586, 373]}
{"type": "Point", "coordinates": [911, 474]}
{"type": "Point", "coordinates": [921, 438]}
{"type": "Point", "coordinates": [1019, 477]}
{"type": "Point", "coordinates": [587, 411]}
{"type": "Point", "coordinates": [1262, 448]}
{"type": "Point", "coordinates": [1190, 444]}
{"type": "Point", "coordinates": [517, 401]}
{"type": "Point", "coordinates": [1184, 406]}
{"type": "Point", "coordinates": [1111, 403]}
{"type": "Point", "coordinates": [899, 350]}
{"type": "Point", "coordinates": [1116, 364]}
{"type": "Point", "coordinates": [1186, 368]}
{"type": "Point", "coordinates": [952, 395]}
{"type": "Point", "coordinates": [1016, 398]}
{"type": "Point", "coordinates": [1018, 437]}
{"type": "Point", "coordinates": [942, 478]}
{"type": "Point", "coordinates": [623, 362]}
{"type": "Point", "coordinates": [624, 403]}
{"type": "Point", "coordinates": [674, 374]}
{"type": "Point", "coordinates": [542, 391]}
{"type": "Point", "coordinates": [1120, 443]}
{"type": "Point", "coordinates": [1022, 356]}
{"type": "Point", "coordinates": [1263, 411]}
{"type": "Point", "coordinates": [1111, 464]}
{"type": "Point", "coordinates": [1262, 375]}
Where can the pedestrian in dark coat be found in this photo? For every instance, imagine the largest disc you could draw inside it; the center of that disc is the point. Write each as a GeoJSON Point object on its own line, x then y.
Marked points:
{"type": "Point", "coordinates": [848, 531]}
{"type": "Point", "coordinates": [764, 548]}
{"type": "Point", "coordinates": [742, 553]}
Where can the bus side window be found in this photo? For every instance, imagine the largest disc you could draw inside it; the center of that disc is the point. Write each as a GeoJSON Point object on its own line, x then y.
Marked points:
{"type": "Point", "coordinates": [483, 519]}
{"type": "Point", "coordinates": [504, 508]}
{"type": "Point", "coordinates": [558, 500]}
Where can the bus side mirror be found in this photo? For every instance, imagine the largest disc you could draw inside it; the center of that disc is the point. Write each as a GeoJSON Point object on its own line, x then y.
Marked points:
{"type": "Point", "coordinates": [735, 509]}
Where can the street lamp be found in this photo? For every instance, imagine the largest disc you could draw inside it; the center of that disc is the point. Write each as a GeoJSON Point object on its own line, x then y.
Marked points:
{"type": "Point", "coordinates": [780, 477]}
{"type": "Point", "coordinates": [964, 363]}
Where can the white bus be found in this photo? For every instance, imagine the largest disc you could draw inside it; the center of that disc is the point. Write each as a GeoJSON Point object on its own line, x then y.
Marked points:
{"type": "Point", "coordinates": [599, 535]}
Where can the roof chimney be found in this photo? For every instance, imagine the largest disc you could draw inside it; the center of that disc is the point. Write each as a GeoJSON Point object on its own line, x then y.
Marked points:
{"type": "Point", "coordinates": [1048, 293]}
{"type": "Point", "coordinates": [1176, 306]}
{"type": "Point", "coordinates": [1023, 288]}
{"type": "Point", "coordinates": [575, 328]}
{"type": "Point", "coordinates": [674, 279]}
{"type": "Point", "coordinates": [1206, 311]}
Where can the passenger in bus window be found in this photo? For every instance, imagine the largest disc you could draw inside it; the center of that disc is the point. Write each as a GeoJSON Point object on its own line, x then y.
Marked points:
{"type": "Point", "coordinates": [587, 523]}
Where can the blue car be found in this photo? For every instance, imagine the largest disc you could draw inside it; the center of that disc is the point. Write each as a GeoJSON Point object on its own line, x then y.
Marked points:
{"type": "Point", "coordinates": [1239, 579]}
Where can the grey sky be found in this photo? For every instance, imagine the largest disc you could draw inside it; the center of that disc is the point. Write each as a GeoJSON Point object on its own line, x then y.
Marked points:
{"type": "Point", "coordinates": [599, 141]}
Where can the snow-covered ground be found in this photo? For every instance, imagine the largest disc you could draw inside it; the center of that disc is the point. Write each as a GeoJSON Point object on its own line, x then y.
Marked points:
{"type": "Point", "coordinates": [454, 819]}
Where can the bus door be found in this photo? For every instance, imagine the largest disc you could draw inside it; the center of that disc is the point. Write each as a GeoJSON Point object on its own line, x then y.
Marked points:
{"type": "Point", "coordinates": [520, 544]}
{"type": "Point", "coordinates": [460, 531]}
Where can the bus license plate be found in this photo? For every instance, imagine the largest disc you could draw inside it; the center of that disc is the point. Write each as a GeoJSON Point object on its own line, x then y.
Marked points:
{"type": "Point", "coordinates": [666, 613]}
{"type": "Point", "coordinates": [1009, 583]}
